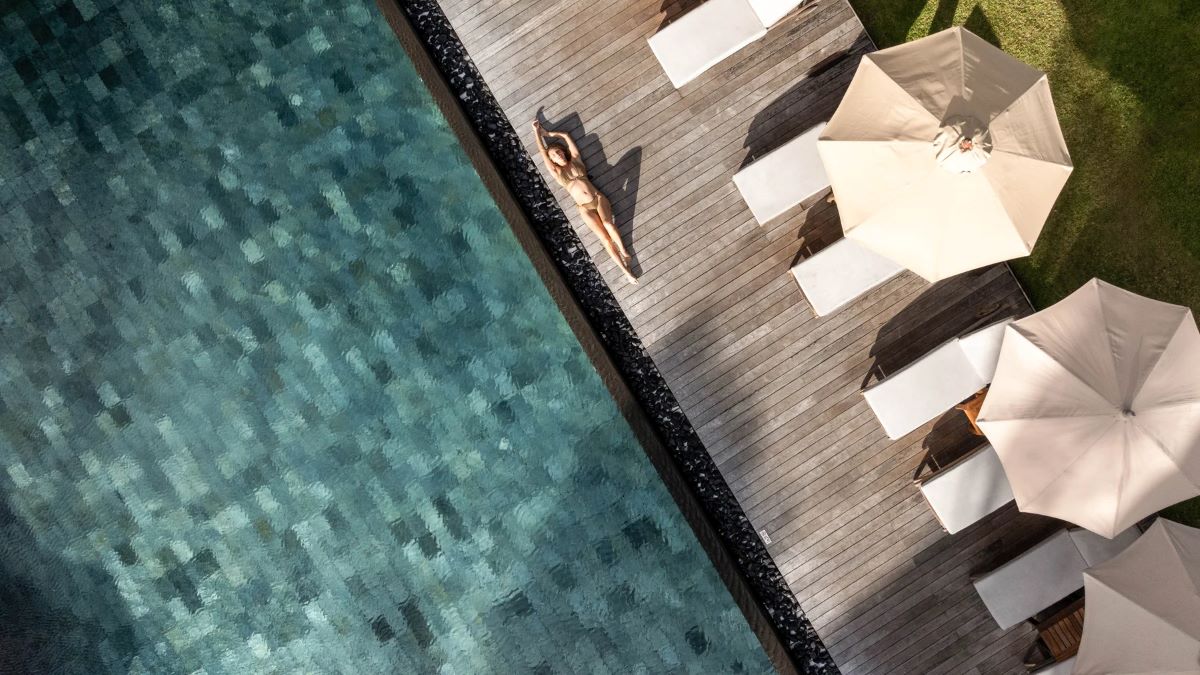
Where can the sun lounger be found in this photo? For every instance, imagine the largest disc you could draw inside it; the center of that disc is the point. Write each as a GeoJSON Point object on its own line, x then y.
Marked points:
{"type": "Point", "coordinates": [839, 273]}
{"type": "Point", "coordinates": [772, 12]}
{"type": "Point", "coordinates": [706, 35]}
{"type": "Point", "coordinates": [1032, 581]}
{"type": "Point", "coordinates": [937, 381]}
{"type": "Point", "coordinates": [1096, 549]}
{"type": "Point", "coordinates": [784, 177]}
{"type": "Point", "coordinates": [962, 493]}
{"type": "Point", "coordinates": [1045, 574]}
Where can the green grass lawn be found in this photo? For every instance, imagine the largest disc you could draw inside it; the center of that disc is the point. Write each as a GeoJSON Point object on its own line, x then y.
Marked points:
{"type": "Point", "coordinates": [1126, 83]}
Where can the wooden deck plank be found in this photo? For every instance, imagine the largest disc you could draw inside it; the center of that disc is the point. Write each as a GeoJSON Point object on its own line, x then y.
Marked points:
{"type": "Point", "coordinates": [773, 391]}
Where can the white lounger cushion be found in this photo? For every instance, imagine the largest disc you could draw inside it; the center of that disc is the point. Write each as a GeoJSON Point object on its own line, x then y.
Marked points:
{"type": "Point", "coordinates": [982, 349]}
{"type": "Point", "coordinates": [704, 36]}
{"type": "Point", "coordinates": [1046, 573]}
{"type": "Point", "coordinates": [771, 11]}
{"type": "Point", "coordinates": [928, 387]}
{"type": "Point", "coordinates": [784, 177]}
{"type": "Point", "coordinates": [1036, 579]}
{"type": "Point", "coordinates": [969, 490]}
{"type": "Point", "coordinates": [1096, 549]}
{"type": "Point", "coordinates": [839, 273]}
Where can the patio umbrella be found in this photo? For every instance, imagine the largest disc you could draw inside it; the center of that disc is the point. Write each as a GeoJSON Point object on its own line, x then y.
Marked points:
{"type": "Point", "coordinates": [1143, 606]}
{"type": "Point", "coordinates": [945, 154]}
{"type": "Point", "coordinates": [1095, 408]}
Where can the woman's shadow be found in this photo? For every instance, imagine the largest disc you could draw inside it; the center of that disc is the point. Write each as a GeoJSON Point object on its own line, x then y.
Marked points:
{"type": "Point", "coordinates": [619, 182]}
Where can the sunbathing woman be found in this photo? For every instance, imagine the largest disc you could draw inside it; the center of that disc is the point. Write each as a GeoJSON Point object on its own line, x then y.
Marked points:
{"type": "Point", "coordinates": [567, 167]}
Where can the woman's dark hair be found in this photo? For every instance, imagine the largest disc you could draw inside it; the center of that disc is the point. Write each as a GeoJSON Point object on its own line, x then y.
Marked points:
{"type": "Point", "coordinates": [555, 145]}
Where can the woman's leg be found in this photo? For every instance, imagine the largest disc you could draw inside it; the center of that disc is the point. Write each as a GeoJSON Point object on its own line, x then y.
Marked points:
{"type": "Point", "coordinates": [604, 208]}
{"type": "Point", "coordinates": [592, 218]}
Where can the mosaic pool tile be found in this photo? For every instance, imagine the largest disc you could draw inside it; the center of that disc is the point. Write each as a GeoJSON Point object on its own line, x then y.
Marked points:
{"type": "Point", "coordinates": [280, 391]}
{"type": "Point", "coordinates": [778, 617]}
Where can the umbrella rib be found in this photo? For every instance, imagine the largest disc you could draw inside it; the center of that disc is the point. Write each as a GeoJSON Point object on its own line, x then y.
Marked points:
{"type": "Point", "coordinates": [1163, 448]}
{"type": "Point", "coordinates": [1109, 337]}
{"type": "Point", "coordinates": [992, 182]}
{"type": "Point", "coordinates": [1122, 481]}
{"type": "Point", "coordinates": [1060, 364]}
{"type": "Point", "coordinates": [1002, 151]}
{"type": "Point", "coordinates": [1120, 589]}
{"type": "Point", "coordinates": [890, 141]}
{"type": "Point", "coordinates": [1069, 465]}
{"type": "Point", "coordinates": [1026, 418]}
{"type": "Point", "coordinates": [962, 64]}
{"type": "Point", "coordinates": [936, 117]}
{"type": "Point", "coordinates": [881, 208]}
{"type": "Point", "coordinates": [1177, 404]}
{"type": "Point", "coordinates": [1013, 102]}
{"type": "Point", "coordinates": [1158, 360]}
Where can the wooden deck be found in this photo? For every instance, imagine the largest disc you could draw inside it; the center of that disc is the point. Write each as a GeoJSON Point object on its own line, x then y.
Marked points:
{"type": "Point", "coordinates": [773, 391]}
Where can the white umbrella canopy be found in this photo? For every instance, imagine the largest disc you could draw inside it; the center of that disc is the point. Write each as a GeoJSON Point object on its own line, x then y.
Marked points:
{"type": "Point", "coordinates": [909, 188]}
{"type": "Point", "coordinates": [1143, 606]}
{"type": "Point", "coordinates": [1095, 408]}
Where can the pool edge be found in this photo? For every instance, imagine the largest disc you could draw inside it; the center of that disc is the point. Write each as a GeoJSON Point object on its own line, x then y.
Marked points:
{"type": "Point", "coordinates": [639, 390]}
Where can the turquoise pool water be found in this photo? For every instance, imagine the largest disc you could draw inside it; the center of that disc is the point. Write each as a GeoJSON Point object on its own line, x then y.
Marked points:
{"type": "Point", "coordinates": [279, 391]}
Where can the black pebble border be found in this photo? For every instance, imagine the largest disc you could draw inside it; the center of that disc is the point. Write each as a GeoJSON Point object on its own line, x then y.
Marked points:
{"type": "Point", "coordinates": [618, 336]}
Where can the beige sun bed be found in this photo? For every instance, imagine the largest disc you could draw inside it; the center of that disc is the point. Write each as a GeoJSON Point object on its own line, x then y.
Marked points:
{"type": "Point", "coordinates": [1046, 573]}
{"type": "Point", "coordinates": [964, 492]}
{"type": "Point", "coordinates": [784, 177]}
{"type": "Point", "coordinates": [708, 34]}
{"type": "Point", "coordinates": [839, 273]}
{"type": "Point", "coordinates": [928, 387]}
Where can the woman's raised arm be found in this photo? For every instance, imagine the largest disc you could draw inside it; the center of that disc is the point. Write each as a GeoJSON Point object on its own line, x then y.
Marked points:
{"type": "Point", "coordinates": [541, 143]}
{"type": "Point", "coordinates": [569, 141]}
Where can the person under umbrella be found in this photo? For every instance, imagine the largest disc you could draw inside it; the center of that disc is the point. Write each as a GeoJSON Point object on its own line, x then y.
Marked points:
{"type": "Point", "coordinates": [945, 154]}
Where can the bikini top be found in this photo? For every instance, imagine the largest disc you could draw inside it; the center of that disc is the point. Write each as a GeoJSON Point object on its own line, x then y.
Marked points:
{"type": "Point", "coordinates": [573, 172]}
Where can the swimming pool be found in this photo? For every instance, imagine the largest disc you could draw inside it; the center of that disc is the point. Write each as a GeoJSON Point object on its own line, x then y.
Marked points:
{"type": "Point", "coordinates": [280, 390]}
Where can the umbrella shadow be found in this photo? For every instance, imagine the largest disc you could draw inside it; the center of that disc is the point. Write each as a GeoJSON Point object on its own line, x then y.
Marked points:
{"type": "Point", "coordinates": [896, 19]}
{"type": "Point", "coordinates": [1133, 229]}
{"type": "Point", "coordinates": [619, 182]}
{"type": "Point", "coordinates": [808, 102]}
{"type": "Point", "coordinates": [948, 309]}
{"type": "Point", "coordinates": [943, 16]}
{"type": "Point", "coordinates": [950, 439]}
{"type": "Point", "coordinates": [977, 21]}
